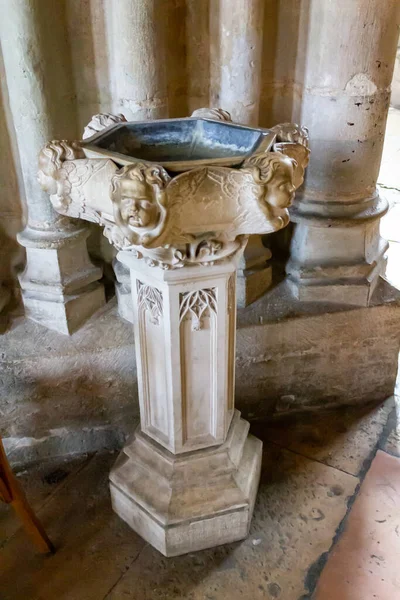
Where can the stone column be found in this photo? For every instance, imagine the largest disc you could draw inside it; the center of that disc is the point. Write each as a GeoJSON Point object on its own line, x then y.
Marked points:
{"type": "Point", "coordinates": [60, 286]}
{"type": "Point", "coordinates": [337, 254]}
{"type": "Point", "coordinates": [138, 82]}
{"type": "Point", "coordinates": [236, 48]}
{"type": "Point", "coordinates": [138, 70]}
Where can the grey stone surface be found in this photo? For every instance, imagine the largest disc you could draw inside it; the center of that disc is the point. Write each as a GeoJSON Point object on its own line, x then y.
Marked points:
{"type": "Point", "coordinates": [93, 546]}
{"type": "Point", "coordinates": [345, 439]}
{"type": "Point", "coordinates": [305, 357]}
{"type": "Point", "coordinates": [298, 513]}
{"type": "Point", "coordinates": [78, 394]}
{"type": "Point", "coordinates": [40, 482]}
{"type": "Point", "coordinates": [63, 395]}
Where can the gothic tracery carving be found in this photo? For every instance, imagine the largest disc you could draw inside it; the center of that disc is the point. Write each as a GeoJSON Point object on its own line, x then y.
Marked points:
{"type": "Point", "coordinates": [150, 299]}
{"type": "Point", "coordinates": [197, 304]}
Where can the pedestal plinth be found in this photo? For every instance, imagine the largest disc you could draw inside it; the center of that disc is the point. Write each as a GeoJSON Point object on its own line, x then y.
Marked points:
{"type": "Point", "coordinates": [189, 477]}
{"type": "Point", "coordinates": [60, 286]}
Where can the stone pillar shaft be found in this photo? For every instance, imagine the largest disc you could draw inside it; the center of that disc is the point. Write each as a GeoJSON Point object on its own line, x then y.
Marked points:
{"type": "Point", "coordinates": [25, 71]}
{"type": "Point", "coordinates": [59, 286]}
{"type": "Point", "coordinates": [236, 54]}
{"type": "Point", "coordinates": [337, 254]}
{"type": "Point", "coordinates": [138, 71]}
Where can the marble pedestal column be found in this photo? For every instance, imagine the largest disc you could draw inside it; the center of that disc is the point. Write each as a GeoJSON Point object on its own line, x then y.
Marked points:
{"type": "Point", "coordinates": [188, 478]}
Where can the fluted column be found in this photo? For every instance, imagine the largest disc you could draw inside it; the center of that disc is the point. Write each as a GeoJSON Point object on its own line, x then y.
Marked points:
{"type": "Point", "coordinates": [59, 284]}
{"type": "Point", "coordinates": [337, 254]}
{"type": "Point", "coordinates": [236, 47]}
{"type": "Point", "coordinates": [138, 70]}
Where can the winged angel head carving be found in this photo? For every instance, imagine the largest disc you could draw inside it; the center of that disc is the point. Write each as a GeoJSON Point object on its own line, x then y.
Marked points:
{"type": "Point", "coordinates": [275, 172]}
{"type": "Point", "coordinates": [51, 158]}
{"type": "Point", "coordinates": [139, 198]}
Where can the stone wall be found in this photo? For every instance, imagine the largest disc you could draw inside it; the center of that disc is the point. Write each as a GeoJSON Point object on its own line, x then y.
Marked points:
{"type": "Point", "coordinates": [79, 394]}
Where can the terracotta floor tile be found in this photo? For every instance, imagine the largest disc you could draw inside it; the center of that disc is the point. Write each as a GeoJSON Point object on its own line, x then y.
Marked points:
{"type": "Point", "coordinates": [365, 564]}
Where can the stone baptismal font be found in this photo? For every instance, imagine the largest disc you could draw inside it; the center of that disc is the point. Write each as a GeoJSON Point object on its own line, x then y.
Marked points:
{"type": "Point", "coordinates": [179, 198]}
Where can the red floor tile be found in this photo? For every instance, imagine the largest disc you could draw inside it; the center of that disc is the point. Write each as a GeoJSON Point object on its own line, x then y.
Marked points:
{"type": "Point", "coordinates": [365, 563]}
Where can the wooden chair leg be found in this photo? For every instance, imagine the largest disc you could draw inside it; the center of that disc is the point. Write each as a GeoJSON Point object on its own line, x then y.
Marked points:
{"type": "Point", "coordinates": [12, 493]}
{"type": "Point", "coordinates": [31, 523]}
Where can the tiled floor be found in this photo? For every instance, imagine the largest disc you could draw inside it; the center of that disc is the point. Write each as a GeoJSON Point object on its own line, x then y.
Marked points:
{"type": "Point", "coordinates": [312, 468]}
{"type": "Point", "coordinates": [365, 561]}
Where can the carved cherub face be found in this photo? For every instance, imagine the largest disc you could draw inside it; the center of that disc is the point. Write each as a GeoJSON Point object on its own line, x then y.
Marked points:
{"type": "Point", "coordinates": [138, 206]}
{"type": "Point", "coordinates": [137, 192]}
{"type": "Point", "coordinates": [281, 189]}
{"type": "Point", "coordinates": [300, 154]}
{"type": "Point", "coordinates": [275, 173]}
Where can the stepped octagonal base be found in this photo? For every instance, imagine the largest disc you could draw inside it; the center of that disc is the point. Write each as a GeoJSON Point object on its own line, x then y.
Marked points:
{"type": "Point", "coordinates": [192, 501]}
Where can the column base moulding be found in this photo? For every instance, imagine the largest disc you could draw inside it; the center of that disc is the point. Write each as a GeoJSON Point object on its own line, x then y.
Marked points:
{"type": "Point", "coordinates": [353, 285]}
{"type": "Point", "coordinates": [337, 260]}
{"type": "Point", "coordinates": [252, 284]}
{"type": "Point", "coordinates": [60, 287]}
{"type": "Point", "coordinates": [192, 501]}
{"type": "Point", "coordinates": [254, 275]}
